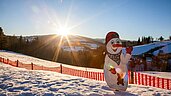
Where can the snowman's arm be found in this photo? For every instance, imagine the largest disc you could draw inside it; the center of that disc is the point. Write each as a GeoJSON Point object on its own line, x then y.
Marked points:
{"type": "Point", "coordinates": [125, 58]}
{"type": "Point", "coordinates": [107, 62]}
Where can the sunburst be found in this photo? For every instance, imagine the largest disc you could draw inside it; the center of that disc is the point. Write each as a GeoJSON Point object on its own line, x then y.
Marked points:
{"type": "Point", "coordinates": [64, 31]}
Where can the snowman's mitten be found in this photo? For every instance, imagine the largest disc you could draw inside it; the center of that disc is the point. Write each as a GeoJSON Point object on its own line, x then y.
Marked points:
{"type": "Point", "coordinates": [120, 80]}
{"type": "Point", "coordinates": [129, 50]}
{"type": "Point", "coordinates": [112, 70]}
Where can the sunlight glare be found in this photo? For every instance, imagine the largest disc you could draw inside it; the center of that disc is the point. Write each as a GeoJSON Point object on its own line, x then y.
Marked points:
{"type": "Point", "coordinates": [64, 31]}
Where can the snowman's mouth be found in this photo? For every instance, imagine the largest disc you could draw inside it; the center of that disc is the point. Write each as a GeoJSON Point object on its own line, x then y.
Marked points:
{"type": "Point", "coordinates": [114, 49]}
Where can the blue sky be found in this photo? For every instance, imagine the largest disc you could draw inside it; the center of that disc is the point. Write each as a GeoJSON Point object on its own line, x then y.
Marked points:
{"type": "Point", "coordinates": [90, 18]}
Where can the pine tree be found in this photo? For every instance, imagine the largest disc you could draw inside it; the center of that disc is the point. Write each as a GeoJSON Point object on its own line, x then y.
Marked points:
{"type": "Point", "coordinates": [139, 42]}
{"type": "Point", "coordinates": [3, 39]}
{"type": "Point", "coordinates": [161, 38]}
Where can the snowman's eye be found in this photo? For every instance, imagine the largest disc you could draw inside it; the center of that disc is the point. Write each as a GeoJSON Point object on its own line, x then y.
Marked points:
{"type": "Point", "coordinates": [112, 42]}
{"type": "Point", "coordinates": [117, 42]}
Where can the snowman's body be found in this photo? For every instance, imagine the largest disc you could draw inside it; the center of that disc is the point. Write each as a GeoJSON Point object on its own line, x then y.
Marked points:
{"type": "Point", "coordinates": [115, 66]}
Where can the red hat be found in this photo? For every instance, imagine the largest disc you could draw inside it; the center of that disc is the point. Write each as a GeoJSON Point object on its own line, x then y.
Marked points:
{"type": "Point", "coordinates": [110, 36]}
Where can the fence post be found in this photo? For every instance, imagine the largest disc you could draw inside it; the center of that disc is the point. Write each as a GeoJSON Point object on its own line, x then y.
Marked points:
{"type": "Point", "coordinates": [154, 82]}
{"type": "Point", "coordinates": [138, 78]}
{"type": "Point", "coordinates": [149, 80]}
{"type": "Point", "coordinates": [3, 60]}
{"type": "Point", "coordinates": [7, 61]}
{"type": "Point", "coordinates": [61, 68]}
{"type": "Point", "coordinates": [135, 77]}
{"type": "Point", "coordinates": [163, 83]}
{"type": "Point", "coordinates": [31, 66]}
{"type": "Point", "coordinates": [132, 77]}
{"type": "Point", "coordinates": [142, 79]}
{"type": "Point", "coordinates": [158, 82]}
{"type": "Point", "coordinates": [17, 63]}
{"type": "Point", "coordinates": [145, 80]}
{"type": "Point", "coordinates": [86, 73]}
{"type": "Point", "coordinates": [168, 84]}
{"type": "Point", "coordinates": [42, 67]}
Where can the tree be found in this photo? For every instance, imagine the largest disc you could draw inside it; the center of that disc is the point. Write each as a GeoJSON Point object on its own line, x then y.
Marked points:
{"type": "Point", "coordinates": [161, 38]}
{"type": "Point", "coordinates": [3, 39]}
{"type": "Point", "coordinates": [1, 32]}
{"type": "Point", "coordinates": [139, 42]}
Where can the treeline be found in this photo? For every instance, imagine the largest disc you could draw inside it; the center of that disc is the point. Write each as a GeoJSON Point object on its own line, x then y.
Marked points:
{"type": "Point", "coordinates": [149, 39]}
{"type": "Point", "coordinates": [143, 40]}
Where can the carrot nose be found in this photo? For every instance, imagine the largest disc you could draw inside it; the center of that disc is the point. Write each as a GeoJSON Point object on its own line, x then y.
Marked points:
{"type": "Point", "coordinates": [117, 45]}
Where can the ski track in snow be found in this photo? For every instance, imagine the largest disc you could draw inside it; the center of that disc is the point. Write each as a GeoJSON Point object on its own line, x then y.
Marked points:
{"type": "Point", "coordinates": [21, 82]}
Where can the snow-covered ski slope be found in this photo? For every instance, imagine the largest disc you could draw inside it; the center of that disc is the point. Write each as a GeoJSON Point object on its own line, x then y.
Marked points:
{"type": "Point", "coordinates": [21, 82]}
{"type": "Point", "coordinates": [144, 48]}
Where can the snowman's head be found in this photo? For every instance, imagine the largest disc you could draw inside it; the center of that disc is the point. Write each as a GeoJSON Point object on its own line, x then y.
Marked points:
{"type": "Point", "coordinates": [113, 43]}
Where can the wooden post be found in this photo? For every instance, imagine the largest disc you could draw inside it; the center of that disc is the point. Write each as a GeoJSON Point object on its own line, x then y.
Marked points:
{"type": "Point", "coordinates": [17, 63]}
{"type": "Point", "coordinates": [86, 73]}
{"type": "Point", "coordinates": [145, 80]}
{"type": "Point", "coordinates": [149, 80]}
{"type": "Point", "coordinates": [61, 68]}
{"type": "Point", "coordinates": [132, 77]}
{"type": "Point", "coordinates": [158, 82]}
{"type": "Point", "coordinates": [154, 84]}
{"type": "Point", "coordinates": [3, 60]}
{"type": "Point", "coordinates": [135, 77]}
{"type": "Point", "coordinates": [168, 84]}
{"type": "Point", "coordinates": [138, 78]}
{"type": "Point", "coordinates": [142, 79]}
{"type": "Point", "coordinates": [31, 66]}
{"type": "Point", "coordinates": [7, 61]}
{"type": "Point", "coordinates": [163, 83]}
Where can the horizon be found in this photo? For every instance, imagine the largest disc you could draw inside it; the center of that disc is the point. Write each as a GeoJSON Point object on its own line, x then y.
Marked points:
{"type": "Point", "coordinates": [133, 19]}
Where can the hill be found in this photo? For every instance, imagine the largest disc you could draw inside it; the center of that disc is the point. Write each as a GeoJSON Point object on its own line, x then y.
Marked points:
{"type": "Point", "coordinates": [73, 50]}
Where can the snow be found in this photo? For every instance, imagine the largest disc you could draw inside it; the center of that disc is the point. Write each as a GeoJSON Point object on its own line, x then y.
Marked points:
{"type": "Point", "coordinates": [137, 50]}
{"type": "Point", "coordinates": [91, 45]}
{"type": "Point", "coordinates": [72, 48]}
{"type": "Point", "coordinates": [80, 48]}
{"type": "Point", "coordinates": [27, 59]}
{"type": "Point", "coordinates": [21, 82]}
{"type": "Point", "coordinates": [166, 49]}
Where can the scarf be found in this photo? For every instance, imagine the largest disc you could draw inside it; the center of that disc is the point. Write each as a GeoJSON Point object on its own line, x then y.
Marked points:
{"type": "Point", "coordinates": [115, 57]}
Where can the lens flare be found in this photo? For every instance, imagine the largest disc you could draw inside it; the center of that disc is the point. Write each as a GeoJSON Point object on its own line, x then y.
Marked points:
{"type": "Point", "coordinates": [64, 31]}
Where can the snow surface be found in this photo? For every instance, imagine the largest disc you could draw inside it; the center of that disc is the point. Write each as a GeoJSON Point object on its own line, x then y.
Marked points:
{"type": "Point", "coordinates": [21, 82]}
{"type": "Point", "coordinates": [166, 49]}
{"type": "Point", "coordinates": [72, 48]}
{"type": "Point", "coordinates": [27, 59]}
{"type": "Point", "coordinates": [137, 50]}
{"type": "Point", "coordinates": [91, 45]}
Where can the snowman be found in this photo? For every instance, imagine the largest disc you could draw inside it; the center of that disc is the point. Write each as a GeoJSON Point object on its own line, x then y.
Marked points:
{"type": "Point", "coordinates": [115, 66]}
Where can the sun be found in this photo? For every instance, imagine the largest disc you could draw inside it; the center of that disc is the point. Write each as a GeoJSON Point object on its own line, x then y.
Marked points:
{"type": "Point", "coordinates": [64, 31]}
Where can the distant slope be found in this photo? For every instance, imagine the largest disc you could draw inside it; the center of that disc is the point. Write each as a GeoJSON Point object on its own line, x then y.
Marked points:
{"type": "Point", "coordinates": [152, 48]}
